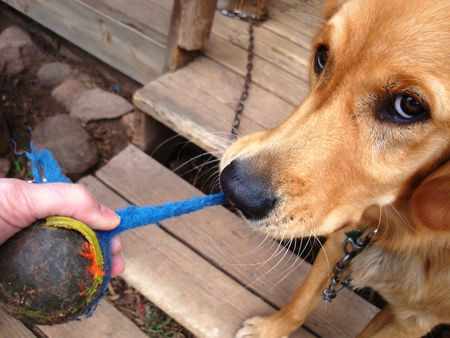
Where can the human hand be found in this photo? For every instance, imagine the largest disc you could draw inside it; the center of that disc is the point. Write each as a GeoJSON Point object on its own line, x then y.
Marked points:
{"type": "Point", "coordinates": [22, 203]}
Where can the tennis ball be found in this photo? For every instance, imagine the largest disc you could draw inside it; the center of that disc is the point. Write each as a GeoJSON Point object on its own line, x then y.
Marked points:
{"type": "Point", "coordinates": [51, 272]}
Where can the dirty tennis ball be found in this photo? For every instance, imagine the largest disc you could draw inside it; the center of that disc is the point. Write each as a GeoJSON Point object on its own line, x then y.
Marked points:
{"type": "Point", "coordinates": [51, 272]}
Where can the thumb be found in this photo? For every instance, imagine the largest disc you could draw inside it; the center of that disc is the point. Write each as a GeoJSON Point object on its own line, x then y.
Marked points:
{"type": "Point", "coordinates": [35, 201]}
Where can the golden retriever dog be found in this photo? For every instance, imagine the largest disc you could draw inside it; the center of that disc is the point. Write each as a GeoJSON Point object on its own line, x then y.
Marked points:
{"type": "Point", "coordinates": [368, 149]}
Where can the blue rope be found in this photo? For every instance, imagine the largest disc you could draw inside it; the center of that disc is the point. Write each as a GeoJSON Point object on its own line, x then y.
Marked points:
{"type": "Point", "coordinates": [45, 169]}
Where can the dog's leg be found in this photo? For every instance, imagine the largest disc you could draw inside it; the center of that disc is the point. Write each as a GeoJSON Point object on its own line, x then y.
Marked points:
{"type": "Point", "coordinates": [386, 325]}
{"type": "Point", "coordinates": [383, 318]}
{"type": "Point", "coordinates": [292, 316]}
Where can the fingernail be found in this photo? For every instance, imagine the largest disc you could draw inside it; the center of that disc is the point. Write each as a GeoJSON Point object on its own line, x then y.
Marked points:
{"type": "Point", "coordinates": [110, 215]}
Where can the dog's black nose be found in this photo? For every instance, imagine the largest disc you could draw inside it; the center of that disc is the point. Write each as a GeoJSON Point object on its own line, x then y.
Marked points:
{"type": "Point", "coordinates": [246, 189]}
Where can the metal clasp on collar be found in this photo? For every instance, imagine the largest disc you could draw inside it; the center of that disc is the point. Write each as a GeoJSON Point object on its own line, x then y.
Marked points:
{"type": "Point", "coordinates": [352, 246]}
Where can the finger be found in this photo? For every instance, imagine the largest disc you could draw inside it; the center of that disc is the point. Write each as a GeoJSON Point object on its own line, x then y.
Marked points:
{"type": "Point", "coordinates": [116, 245]}
{"type": "Point", "coordinates": [70, 200]}
{"type": "Point", "coordinates": [117, 265]}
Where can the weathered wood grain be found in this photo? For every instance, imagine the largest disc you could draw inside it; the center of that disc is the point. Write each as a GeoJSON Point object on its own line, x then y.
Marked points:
{"type": "Point", "coordinates": [190, 26]}
{"type": "Point", "coordinates": [106, 322]}
{"type": "Point", "coordinates": [199, 100]}
{"type": "Point", "coordinates": [225, 240]}
{"type": "Point", "coordinates": [180, 282]}
{"type": "Point", "coordinates": [12, 328]}
{"type": "Point", "coordinates": [119, 45]}
{"type": "Point", "coordinates": [150, 18]}
{"type": "Point", "coordinates": [270, 77]}
{"type": "Point", "coordinates": [269, 46]}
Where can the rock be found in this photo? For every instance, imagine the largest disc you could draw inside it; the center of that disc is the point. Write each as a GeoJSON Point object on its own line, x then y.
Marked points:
{"type": "Point", "coordinates": [5, 165]}
{"type": "Point", "coordinates": [53, 74]}
{"type": "Point", "coordinates": [68, 91]}
{"type": "Point", "coordinates": [97, 104]}
{"type": "Point", "coordinates": [4, 135]}
{"type": "Point", "coordinates": [17, 51]}
{"type": "Point", "coordinates": [74, 149]}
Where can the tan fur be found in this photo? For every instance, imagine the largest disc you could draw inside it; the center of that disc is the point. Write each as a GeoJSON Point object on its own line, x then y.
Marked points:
{"type": "Point", "coordinates": [333, 163]}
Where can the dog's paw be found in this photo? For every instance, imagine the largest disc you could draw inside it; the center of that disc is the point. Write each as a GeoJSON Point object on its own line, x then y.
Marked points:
{"type": "Point", "coordinates": [259, 327]}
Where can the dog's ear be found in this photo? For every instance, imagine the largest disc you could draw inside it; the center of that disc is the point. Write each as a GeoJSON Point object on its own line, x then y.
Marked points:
{"type": "Point", "coordinates": [430, 202]}
{"type": "Point", "coordinates": [331, 7]}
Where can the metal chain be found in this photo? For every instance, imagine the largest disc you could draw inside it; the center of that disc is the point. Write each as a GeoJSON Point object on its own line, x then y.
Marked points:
{"type": "Point", "coordinates": [353, 245]}
{"type": "Point", "coordinates": [247, 83]}
{"type": "Point", "coordinates": [250, 57]}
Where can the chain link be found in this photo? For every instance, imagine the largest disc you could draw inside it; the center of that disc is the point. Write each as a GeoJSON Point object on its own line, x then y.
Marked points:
{"type": "Point", "coordinates": [247, 83]}
{"type": "Point", "coordinates": [252, 21]}
{"type": "Point", "coordinates": [353, 245]}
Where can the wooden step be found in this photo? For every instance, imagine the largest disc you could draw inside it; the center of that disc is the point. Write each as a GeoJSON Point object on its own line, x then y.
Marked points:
{"type": "Point", "coordinates": [198, 102]}
{"type": "Point", "coordinates": [268, 272]}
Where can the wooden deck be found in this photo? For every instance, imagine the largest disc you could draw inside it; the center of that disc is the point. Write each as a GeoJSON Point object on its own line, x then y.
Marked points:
{"type": "Point", "coordinates": [207, 270]}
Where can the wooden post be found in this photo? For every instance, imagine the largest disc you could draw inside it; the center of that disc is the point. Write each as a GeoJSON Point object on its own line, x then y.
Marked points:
{"type": "Point", "coordinates": [189, 31]}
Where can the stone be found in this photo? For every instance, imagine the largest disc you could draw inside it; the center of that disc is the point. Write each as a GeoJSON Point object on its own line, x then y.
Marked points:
{"type": "Point", "coordinates": [4, 135]}
{"type": "Point", "coordinates": [97, 104]}
{"type": "Point", "coordinates": [74, 149]}
{"type": "Point", "coordinates": [68, 91]}
{"type": "Point", "coordinates": [5, 165]}
{"type": "Point", "coordinates": [53, 73]}
{"type": "Point", "coordinates": [17, 51]}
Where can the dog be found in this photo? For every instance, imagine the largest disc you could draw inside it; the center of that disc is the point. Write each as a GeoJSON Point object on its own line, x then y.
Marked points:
{"type": "Point", "coordinates": [368, 149]}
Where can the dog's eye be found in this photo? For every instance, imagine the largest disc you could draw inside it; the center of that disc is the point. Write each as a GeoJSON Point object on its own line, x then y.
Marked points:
{"type": "Point", "coordinates": [408, 109]}
{"type": "Point", "coordinates": [320, 59]}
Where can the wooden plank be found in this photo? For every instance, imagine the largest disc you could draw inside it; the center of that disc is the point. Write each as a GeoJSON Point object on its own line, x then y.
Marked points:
{"type": "Point", "coordinates": [115, 43]}
{"type": "Point", "coordinates": [205, 77]}
{"type": "Point", "coordinates": [12, 328]}
{"type": "Point", "coordinates": [184, 285]}
{"type": "Point", "coordinates": [203, 107]}
{"type": "Point", "coordinates": [106, 322]}
{"type": "Point", "coordinates": [226, 241]}
{"type": "Point", "coordinates": [269, 46]}
{"type": "Point", "coordinates": [278, 26]}
{"type": "Point", "coordinates": [146, 16]}
{"type": "Point", "coordinates": [267, 75]}
{"type": "Point", "coordinates": [300, 21]}
{"type": "Point", "coordinates": [185, 116]}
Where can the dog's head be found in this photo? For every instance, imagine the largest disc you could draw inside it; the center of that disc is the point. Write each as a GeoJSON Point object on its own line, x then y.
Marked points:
{"type": "Point", "coordinates": [377, 119]}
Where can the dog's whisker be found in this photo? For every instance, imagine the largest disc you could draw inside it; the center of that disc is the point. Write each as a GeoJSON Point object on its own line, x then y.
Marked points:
{"type": "Point", "coordinates": [275, 254]}
{"type": "Point", "coordinates": [292, 266]}
{"type": "Point", "coordinates": [255, 248]}
{"type": "Point", "coordinates": [280, 260]}
{"type": "Point", "coordinates": [165, 142]}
